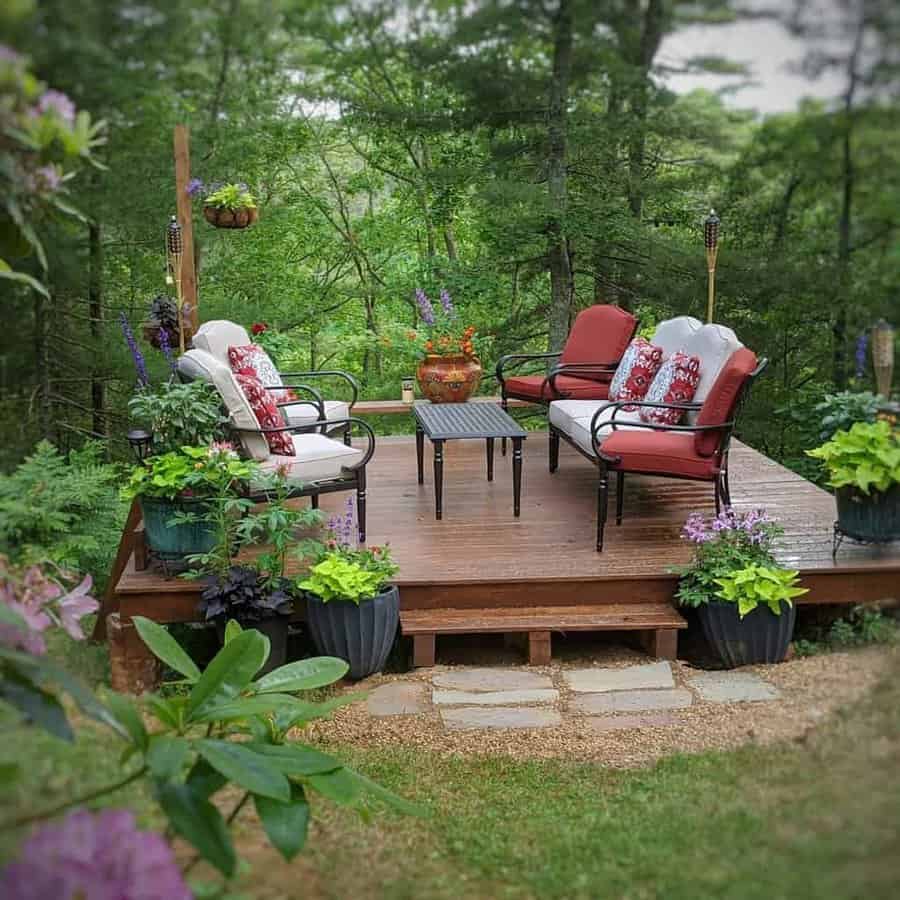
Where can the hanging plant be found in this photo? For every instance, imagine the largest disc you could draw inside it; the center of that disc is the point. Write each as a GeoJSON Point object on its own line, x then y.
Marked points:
{"type": "Point", "coordinates": [229, 205]}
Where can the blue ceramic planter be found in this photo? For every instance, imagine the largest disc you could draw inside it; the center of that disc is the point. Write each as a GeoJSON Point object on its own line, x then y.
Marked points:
{"type": "Point", "coordinates": [361, 635]}
{"type": "Point", "coordinates": [175, 542]}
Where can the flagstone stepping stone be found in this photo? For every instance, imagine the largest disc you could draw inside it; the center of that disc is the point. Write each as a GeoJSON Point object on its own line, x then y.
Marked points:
{"type": "Point", "coordinates": [469, 717]}
{"type": "Point", "coordinates": [733, 687]}
{"type": "Point", "coordinates": [631, 701]}
{"type": "Point", "coordinates": [621, 723]}
{"type": "Point", "coordinates": [398, 698]}
{"type": "Point", "coordinates": [493, 698]}
{"type": "Point", "coordinates": [631, 678]}
{"type": "Point", "coordinates": [481, 679]}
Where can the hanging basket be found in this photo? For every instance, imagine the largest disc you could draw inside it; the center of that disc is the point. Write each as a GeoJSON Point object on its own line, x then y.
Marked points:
{"type": "Point", "coordinates": [221, 217]}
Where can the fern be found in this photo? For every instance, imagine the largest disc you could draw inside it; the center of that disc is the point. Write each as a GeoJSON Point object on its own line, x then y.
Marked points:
{"type": "Point", "coordinates": [65, 509]}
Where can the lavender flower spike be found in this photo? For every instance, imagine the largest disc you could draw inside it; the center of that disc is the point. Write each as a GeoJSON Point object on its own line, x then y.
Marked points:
{"type": "Point", "coordinates": [195, 185]}
{"type": "Point", "coordinates": [862, 345]}
{"type": "Point", "coordinates": [166, 348]}
{"type": "Point", "coordinates": [425, 308]}
{"type": "Point", "coordinates": [136, 355]}
{"type": "Point", "coordinates": [447, 302]}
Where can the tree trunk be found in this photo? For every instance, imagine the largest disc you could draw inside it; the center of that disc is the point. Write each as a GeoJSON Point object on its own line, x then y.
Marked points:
{"type": "Point", "coordinates": [42, 353]}
{"type": "Point", "coordinates": [95, 311]}
{"type": "Point", "coordinates": [557, 245]}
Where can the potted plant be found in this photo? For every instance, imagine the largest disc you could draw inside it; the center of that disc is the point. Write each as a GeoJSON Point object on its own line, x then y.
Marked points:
{"type": "Point", "coordinates": [449, 369]}
{"type": "Point", "coordinates": [255, 592]}
{"type": "Point", "coordinates": [174, 490]}
{"type": "Point", "coordinates": [744, 599]}
{"type": "Point", "coordinates": [352, 610]}
{"type": "Point", "coordinates": [863, 466]}
{"type": "Point", "coordinates": [229, 205]}
{"type": "Point", "coordinates": [161, 325]}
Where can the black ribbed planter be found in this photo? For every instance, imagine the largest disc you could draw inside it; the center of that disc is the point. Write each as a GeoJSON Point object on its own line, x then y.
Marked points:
{"type": "Point", "coordinates": [760, 637]}
{"type": "Point", "coordinates": [361, 635]}
{"type": "Point", "coordinates": [871, 517]}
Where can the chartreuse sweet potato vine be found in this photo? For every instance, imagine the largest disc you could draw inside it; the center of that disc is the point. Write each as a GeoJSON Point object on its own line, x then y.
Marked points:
{"type": "Point", "coordinates": [758, 584]}
{"type": "Point", "coordinates": [866, 457]}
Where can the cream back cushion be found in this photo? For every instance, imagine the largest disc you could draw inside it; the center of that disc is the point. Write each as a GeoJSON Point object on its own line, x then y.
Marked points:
{"type": "Point", "coordinates": [217, 336]}
{"type": "Point", "coordinates": [673, 334]}
{"type": "Point", "coordinates": [714, 344]}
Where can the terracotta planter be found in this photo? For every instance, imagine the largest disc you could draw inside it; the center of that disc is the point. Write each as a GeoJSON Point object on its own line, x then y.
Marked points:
{"type": "Point", "coordinates": [760, 637]}
{"type": "Point", "coordinates": [230, 218]}
{"type": "Point", "coordinates": [448, 379]}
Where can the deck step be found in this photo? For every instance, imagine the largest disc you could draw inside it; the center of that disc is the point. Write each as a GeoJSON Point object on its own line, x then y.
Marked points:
{"type": "Point", "coordinates": [659, 621]}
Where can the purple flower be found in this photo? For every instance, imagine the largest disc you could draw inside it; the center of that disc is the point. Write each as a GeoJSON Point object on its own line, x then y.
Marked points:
{"type": "Point", "coordinates": [8, 55]}
{"type": "Point", "coordinates": [136, 354]}
{"type": "Point", "coordinates": [862, 345]}
{"type": "Point", "coordinates": [447, 302]}
{"type": "Point", "coordinates": [94, 856]}
{"type": "Point", "coordinates": [195, 185]}
{"type": "Point", "coordinates": [426, 311]}
{"type": "Point", "coordinates": [166, 349]}
{"type": "Point", "coordinates": [46, 179]}
{"type": "Point", "coordinates": [74, 606]}
{"type": "Point", "coordinates": [58, 103]}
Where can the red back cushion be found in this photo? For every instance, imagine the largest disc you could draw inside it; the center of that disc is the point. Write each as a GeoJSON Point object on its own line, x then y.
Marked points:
{"type": "Point", "coordinates": [599, 334]}
{"type": "Point", "coordinates": [267, 413]}
{"type": "Point", "coordinates": [719, 403]}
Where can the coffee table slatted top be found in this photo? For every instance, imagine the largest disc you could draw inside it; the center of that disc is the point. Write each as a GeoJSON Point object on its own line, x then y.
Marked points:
{"type": "Point", "coordinates": [455, 421]}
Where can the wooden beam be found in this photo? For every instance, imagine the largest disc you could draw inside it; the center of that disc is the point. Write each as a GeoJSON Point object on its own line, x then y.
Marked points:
{"type": "Point", "coordinates": [184, 209]}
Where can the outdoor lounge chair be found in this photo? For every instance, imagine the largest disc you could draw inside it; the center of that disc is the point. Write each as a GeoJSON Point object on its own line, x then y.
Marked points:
{"type": "Point", "coordinates": [320, 465]}
{"type": "Point", "coordinates": [216, 336]}
{"type": "Point", "coordinates": [613, 436]}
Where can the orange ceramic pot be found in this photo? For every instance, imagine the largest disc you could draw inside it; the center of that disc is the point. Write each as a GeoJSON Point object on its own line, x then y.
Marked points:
{"type": "Point", "coordinates": [230, 218]}
{"type": "Point", "coordinates": [448, 379]}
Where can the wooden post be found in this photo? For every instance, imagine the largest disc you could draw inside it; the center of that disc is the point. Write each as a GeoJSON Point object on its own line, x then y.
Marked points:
{"type": "Point", "coordinates": [185, 219]}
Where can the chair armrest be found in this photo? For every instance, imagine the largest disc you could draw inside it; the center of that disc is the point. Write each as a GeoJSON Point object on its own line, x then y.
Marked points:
{"type": "Point", "coordinates": [598, 372]}
{"type": "Point", "coordinates": [322, 373]}
{"type": "Point", "coordinates": [512, 360]}
{"type": "Point", "coordinates": [317, 400]}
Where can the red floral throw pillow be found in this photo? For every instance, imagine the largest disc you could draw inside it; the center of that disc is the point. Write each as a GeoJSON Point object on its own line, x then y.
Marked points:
{"type": "Point", "coordinates": [251, 359]}
{"type": "Point", "coordinates": [675, 382]}
{"type": "Point", "coordinates": [267, 413]}
{"type": "Point", "coordinates": [636, 371]}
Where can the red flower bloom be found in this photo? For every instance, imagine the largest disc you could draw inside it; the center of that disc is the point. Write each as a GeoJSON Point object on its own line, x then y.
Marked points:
{"type": "Point", "coordinates": [259, 327]}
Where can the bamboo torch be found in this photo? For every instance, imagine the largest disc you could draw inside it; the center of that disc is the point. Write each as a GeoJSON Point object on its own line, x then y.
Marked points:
{"type": "Point", "coordinates": [174, 255]}
{"type": "Point", "coordinates": [711, 241]}
{"type": "Point", "coordinates": [883, 356]}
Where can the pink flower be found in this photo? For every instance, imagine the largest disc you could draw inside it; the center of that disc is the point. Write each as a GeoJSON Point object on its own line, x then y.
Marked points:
{"type": "Point", "coordinates": [57, 102]}
{"type": "Point", "coordinates": [74, 606]}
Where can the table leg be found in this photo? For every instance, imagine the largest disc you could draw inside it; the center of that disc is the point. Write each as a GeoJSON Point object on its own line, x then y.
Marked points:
{"type": "Point", "coordinates": [420, 452]}
{"type": "Point", "coordinates": [517, 475]}
{"type": "Point", "coordinates": [438, 479]}
{"type": "Point", "coordinates": [490, 458]}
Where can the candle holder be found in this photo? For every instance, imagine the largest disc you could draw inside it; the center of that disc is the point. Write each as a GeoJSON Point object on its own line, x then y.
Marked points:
{"type": "Point", "coordinates": [711, 242]}
{"type": "Point", "coordinates": [407, 389]}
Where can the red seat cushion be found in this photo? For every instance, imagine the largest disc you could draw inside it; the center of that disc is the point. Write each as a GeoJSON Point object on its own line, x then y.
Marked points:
{"type": "Point", "coordinates": [718, 406]}
{"type": "Point", "coordinates": [599, 334]}
{"type": "Point", "coordinates": [663, 452]}
{"type": "Point", "coordinates": [537, 388]}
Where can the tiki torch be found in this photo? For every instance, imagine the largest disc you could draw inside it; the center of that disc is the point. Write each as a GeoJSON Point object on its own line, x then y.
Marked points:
{"type": "Point", "coordinates": [883, 356]}
{"type": "Point", "coordinates": [174, 253]}
{"type": "Point", "coordinates": [711, 241]}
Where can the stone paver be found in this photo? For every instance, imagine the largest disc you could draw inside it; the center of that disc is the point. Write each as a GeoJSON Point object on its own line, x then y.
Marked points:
{"type": "Point", "coordinates": [481, 679]}
{"type": "Point", "coordinates": [398, 698]}
{"type": "Point", "coordinates": [468, 717]}
{"type": "Point", "coordinates": [631, 701]}
{"type": "Point", "coordinates": [620, 723]}
{"type": "Point", "coordinates": [630, 678]}
{"type": "Point", "coordinates": [493, 698]}
{"type": "Point", "coordinates": [733, 687]}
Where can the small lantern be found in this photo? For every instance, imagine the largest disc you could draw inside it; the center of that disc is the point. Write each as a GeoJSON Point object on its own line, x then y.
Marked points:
{"type": "Point", "coordinates": [141, 443]}
{"type": "Point", "coordinates": [407, 394]}
{"type": "Point", "coordinates": [883, 356]}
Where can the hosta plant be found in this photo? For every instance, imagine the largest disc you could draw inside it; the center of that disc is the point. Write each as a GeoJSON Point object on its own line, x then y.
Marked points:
{"type": "Point", "coordinates": [759, 585]}
{"type": "Point", "coordinates": [867, 457]}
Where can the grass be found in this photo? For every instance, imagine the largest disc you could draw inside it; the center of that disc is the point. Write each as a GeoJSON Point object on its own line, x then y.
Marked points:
{"type": "Point", "coordinates": [817, 818]}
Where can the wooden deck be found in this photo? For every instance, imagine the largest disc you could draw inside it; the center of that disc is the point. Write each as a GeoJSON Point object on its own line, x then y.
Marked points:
{"type": "Point", "coordinates": [481, 559]}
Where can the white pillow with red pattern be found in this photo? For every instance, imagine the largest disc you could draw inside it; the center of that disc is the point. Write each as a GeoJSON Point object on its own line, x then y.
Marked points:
{"type": "Point", "coordinates": [265, 408]}
{"type": "Point", "coordinates": [635, 372]}
{"type": "Point", "coordinates": [251, 359]}
{"type": "Point", "coordinates": [675, 382]}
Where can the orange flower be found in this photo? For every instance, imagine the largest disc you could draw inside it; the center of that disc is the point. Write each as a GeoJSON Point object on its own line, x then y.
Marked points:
{"type": "Point", "coordinates": [429, 345]}
{"type": "Point", "coordinates": [411, 335]}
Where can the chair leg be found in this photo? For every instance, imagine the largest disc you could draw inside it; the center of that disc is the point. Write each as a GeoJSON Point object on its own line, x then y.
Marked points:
{"type": "Point", "coordinates": [554, 450]}
{"type": "Point", "coordinates": [620, 496]}
{"type": "Point", "coordinates": [602, 501]}
{"type": "Point", "coordinates": [361, 503]}
{"type": "Point", "coordinates": [347, 435]}
{"type": "Point", "coordinates": [717, 487]}
{"type": "Point", "coordinates": [314, 501]}
{"type": "Point", "coordinates": [726, 490]}
{"type": "Point", "coordinates": [505, 407]}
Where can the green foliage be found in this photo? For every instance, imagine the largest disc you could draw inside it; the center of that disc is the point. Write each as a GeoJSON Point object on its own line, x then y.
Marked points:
{"type": "Point", "coordinates": [179, 415]}
{"type": "Point", "coordinates": [230, 196]}
{"type": "Point", "coordinates": [861, 627]}
{"type": "Point", "coordinates": [757, 584]}
{"type": "Point", "coordinates": [866, 457]}
{"type": "Point", "coordinates": [840, 412]}
{"type": "Point", "coordinates": [63, 508]}
{"type": "Point", "coordinates": [343, 573]}
{"type": "Point", "coordinates": [197, 472]}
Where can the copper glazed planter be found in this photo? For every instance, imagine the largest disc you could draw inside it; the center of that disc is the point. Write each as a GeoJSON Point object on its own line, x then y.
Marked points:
{"type": "Point", "coordinates": [448, 379]}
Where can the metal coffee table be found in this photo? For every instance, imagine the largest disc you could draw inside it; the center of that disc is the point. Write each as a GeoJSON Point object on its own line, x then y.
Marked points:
{"type": "Point", "coordinates": [465, 421]}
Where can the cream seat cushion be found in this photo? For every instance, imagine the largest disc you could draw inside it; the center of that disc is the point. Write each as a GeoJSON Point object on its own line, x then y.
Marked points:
{"type": "Point", "coordinates": [217, 336]}
{"type": "Point", "coordinates": [306, 414]}
{"type": "Point", "coordinates": [574, 418]}
{"type": "Point", "coordinates": [318, 458]}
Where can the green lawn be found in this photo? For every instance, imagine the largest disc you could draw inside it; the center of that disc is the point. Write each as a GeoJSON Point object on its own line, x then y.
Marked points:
{"type": "Point", "coordinates": [819, 818]}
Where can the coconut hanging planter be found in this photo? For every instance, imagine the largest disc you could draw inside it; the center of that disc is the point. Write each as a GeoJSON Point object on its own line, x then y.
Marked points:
{"type": "Point", "coordinates": [230, 205]}
{"type": "Point", "coordinates": [222, 217]}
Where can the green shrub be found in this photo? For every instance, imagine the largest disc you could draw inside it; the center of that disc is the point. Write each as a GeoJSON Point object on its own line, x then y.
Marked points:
{"type": "Point", "coordinates": [861, 627]}
{"type": "Point", "coordinates": [866, 457]}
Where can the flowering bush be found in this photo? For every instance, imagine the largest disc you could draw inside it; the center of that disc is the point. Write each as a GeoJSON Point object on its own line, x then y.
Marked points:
{"type": "Point", "coordinates": [94, 855]}
{"type": "Point", "coordinates": [45, 140]}
{"type": "Point", "coordinates": [725, 544]}
{"type": "Point", "coordinates": [440, 332]}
